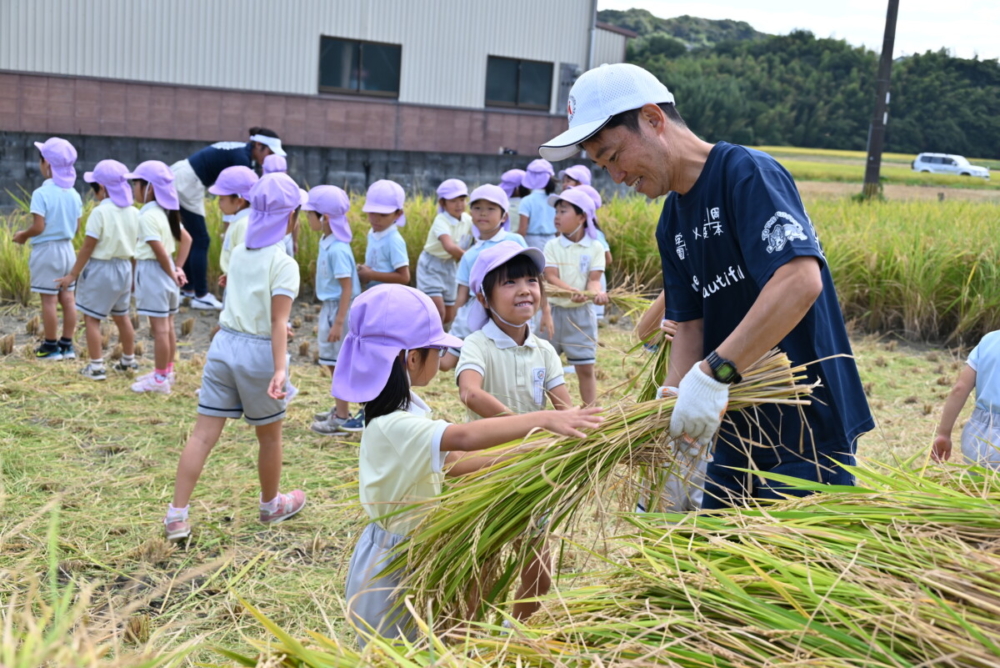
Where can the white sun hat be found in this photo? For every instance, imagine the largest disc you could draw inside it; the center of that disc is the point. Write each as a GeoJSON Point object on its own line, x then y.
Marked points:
{"type": "Point", "coordinates": [598, 95]}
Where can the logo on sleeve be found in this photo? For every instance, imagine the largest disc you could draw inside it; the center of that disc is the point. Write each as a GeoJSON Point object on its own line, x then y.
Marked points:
{"type": "Point", "coordinates": [781, 229]}
{"type": "Point", "coordinates": [570, 108]}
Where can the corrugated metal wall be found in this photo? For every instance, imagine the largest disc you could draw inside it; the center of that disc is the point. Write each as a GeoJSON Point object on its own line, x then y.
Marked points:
{"type": "Point", "coordinates": [609, 47]}
{"type": "Point", "coordinates": [273, 45]}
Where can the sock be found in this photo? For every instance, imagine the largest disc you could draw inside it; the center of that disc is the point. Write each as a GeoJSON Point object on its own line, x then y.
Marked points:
{"type": "Point", "coordinates": [128, 359]}
{"type": "Point", "coordinates": [177, 514]}
{"type": "Point", "coordinates": [97, 364]}
{"type": "Point", "coordinates": [63, 341]}
{"type": "Point", "coordinates": [50, 345]}
{"type": "Point", "coordinates": [170, 368]}
{"type": "Point", "coordinates": [160, 375]}
{"type": "Point", "coordinates": [272, 505]}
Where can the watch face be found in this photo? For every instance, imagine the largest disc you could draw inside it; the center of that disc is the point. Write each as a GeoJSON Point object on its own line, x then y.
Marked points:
{"type": "Point", "coordinates": [726, 372]}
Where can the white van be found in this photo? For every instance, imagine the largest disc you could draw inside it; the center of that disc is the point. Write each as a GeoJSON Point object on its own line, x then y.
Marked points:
{"type": "Point", "coordinates": [943, 163]}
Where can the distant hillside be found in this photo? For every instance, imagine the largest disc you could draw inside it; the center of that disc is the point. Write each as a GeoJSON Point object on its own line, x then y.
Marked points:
{"type": "Point", "coordinates": [693, 31]}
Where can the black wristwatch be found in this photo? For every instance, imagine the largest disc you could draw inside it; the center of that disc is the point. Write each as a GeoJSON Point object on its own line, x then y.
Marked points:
{"type": "Point", "coordinates": [723, 370]}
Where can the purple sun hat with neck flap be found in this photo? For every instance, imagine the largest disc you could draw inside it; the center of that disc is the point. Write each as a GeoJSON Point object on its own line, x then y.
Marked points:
{"type": "Point", "coordinates": [333, 203]}
{"type": "Point", "coordinates": [578, 173]}
{"type": "Point", "coordinates": [592, 194]}
{"type": "Point", "coordinates": [538, 174]}
{"type": "Point", "coordinates": [237, 180]}
{"type": "Point", "coordinates": [385, 321]}
{"type": "Point", "coordinates": [583, 201]}
{"type": "Point", "coordinates": [61, 156]}
{"type": "Point", "coordinates": [511, 180]}
{"type": "Point", "coordinates": [113, 176]}
{"type": "Point", "coordinates": [385, 196]}
{"type": "Point", "coordinates": [450, 189]}
{"type": "Point", "coordinates": [495, 194]}
{"type": "Point", "coordinates": [487, 261]}
{"type": "Point", "coordinates": [274, 163]}
{"type": "Point", "coordinates": [159, 176]}
{"type": "Point", "coordinates": [272, 201]}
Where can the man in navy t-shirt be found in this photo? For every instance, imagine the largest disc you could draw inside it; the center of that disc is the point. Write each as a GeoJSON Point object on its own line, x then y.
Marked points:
{"type": "Point", "coordinates": [743, 271]}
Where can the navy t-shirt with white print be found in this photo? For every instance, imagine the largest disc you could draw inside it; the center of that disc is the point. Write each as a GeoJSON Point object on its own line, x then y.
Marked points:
{"type": "Point", "coordinates": [211, 160]}
{"type": "Point", "coordinates": [720, 243]}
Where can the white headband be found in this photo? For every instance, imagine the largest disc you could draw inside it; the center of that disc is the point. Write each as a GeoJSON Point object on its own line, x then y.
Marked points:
{"type": "Point", "coordinates": [272, 143]}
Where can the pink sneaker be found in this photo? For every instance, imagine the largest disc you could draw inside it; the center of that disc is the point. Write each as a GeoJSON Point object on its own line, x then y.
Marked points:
{"type": "Point", "coordinates": [288, 505]}
{"type": "Point", "coordinates": [178, 530]}
{"type": "Point", "coordinates": [150, 384]}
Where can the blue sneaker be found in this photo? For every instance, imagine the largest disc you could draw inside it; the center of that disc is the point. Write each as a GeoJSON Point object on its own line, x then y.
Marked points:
{"type": "Point", "coordinates": [354, 424]}
{"type": "Point", "coordinates": [45, 352]}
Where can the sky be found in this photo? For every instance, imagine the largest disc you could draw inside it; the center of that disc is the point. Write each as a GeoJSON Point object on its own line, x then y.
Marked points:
{"type": "Point", "coordinates": [964, 27]}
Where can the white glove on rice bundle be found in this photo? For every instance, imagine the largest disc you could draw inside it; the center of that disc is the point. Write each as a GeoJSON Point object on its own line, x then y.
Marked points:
{"type": "Point", "coordinates": [701, 401]}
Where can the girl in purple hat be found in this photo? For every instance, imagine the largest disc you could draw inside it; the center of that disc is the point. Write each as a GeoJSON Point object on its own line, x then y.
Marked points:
{"type": "Point", "coordinates": [233, 190]}
{"type": "Point", "coordinates": [158, 278]}
{"type": "Point", "coordinates": [393, 343]}
{"type": "Point", "coordinates": [447, 240]}
{"type": "Point", "coordinates": [386, 258]}
{"type": "Point", "coordinates": [536, 218]}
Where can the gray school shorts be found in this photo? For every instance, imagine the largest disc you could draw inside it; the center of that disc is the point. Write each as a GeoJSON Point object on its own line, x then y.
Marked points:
{"type": "Point", "coordinates": [329, 352]}
{"type": "Point", "coordinates": [576, 333]}
{"type": "Point", "coordinates": [235, 379]}
{"type": "Point", "coordinates": [105, 288]}
{"type": "Point", "coordinates": [538, 240]}
{"type": "Point", "coordinates": [371, 594]}
{"type": "Point", "coordinates": [49, 261]}
{"type": "Point", "coordinates": [436, 277]}
{"type": "Point", "coordinates": [156, 293]}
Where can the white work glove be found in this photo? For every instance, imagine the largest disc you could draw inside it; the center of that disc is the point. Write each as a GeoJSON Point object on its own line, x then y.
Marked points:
{"type": "Point", "coordinates": [701, 401]}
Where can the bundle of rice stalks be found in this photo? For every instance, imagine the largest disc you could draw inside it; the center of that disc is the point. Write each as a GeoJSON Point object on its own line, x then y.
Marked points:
{"type": "Point", "coordinates": [466, 538]}
{"type": "Point", "coordinates": [629, 300]}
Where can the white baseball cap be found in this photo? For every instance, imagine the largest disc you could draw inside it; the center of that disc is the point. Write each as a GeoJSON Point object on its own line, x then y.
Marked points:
{"type": "Point", "coordinates": [598, 95]}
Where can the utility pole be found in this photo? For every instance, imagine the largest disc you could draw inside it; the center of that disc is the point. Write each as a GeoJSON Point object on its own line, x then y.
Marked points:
{"type": "Point", "coordinates": [876, 132]}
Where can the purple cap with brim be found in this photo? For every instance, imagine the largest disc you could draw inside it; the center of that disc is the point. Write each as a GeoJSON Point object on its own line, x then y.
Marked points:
{"type": "Point", "coordinates": [582, 200]}
{"type": "Point", "coordinates": [511, 180]}
{"type": "Point", "coordinates": [495, 194]}
{"type": "Point", "coordinates": [385, 321]}
{"type": "Point", "coordinates": [113, 176]}
{"type": "Point", "coordinates": [158, 175]}
{"type": "Point", "coordinates": [275, 163]}
{"type": "Point", "coordinates": [385, 196]}
{"type": "Point", "coordinates": [538, 174]}
{"type": "Point", "coordinates": [578, 173]}
{"type": "Point", "coordinates": [450, 189]}
{"type": "Point", "coordinates": [592, 194]}
{"type": "Point", "coordinates": [333, 203]}
{"type": "Point", "coordinates": [272, 201]}
{"type": "Point", "coordinates": [488, 260]}
{"type": "Point", "coordinates": [61, 155]}
{"type": "Point", "coordinates": [236, 180]}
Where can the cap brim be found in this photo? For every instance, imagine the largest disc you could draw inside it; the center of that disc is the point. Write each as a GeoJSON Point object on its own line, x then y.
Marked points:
{"type": "Point", "coordinates": [214, 190]}
{"type": "Point", "coordinates": [567, 144]}
{"type": "Point", "coordinates": [446, 340]}
{"type": "Point", "coordinates": [89, 177]}
{"type": "Point", "coordinates": [375, 208]}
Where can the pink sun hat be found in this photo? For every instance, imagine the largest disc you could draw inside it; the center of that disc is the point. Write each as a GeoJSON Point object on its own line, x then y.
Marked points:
{"type": "Point", "coordinates": [333, 203]}
{"type": "Point", "coordinates": [578, 173]}
{"type": "Point", "coordinates": [236, 180]}
{"type": "Point", "coordinates": [450, 189]}
{"type": "Point", "coordinates": [158, 175]}
{"type": "Point", "coordinates": [385, 196]}
{"type": "Point", "coordinates": [592, 194]}
{"type": "Point", "coordinates": [61, 155]}
{"type": "Point", "coordinates": [538, 174]}
{"type": "Point", "coordinates": [272, 200]}
{"type": "Point", "coordinates": [113, 175]}
{"type": "Point", "coordinates": [488, 260]}
{"type": "Point", "coordinates": [385, 321]}
{"type": "Point", "coordinates": [583, 201]}
{"type": "Point", "coordinates": [495, 194]}
{"type": "Point", "coordinates": [511, 180]}
{"type": "Point", "coordinates": [274, 163]}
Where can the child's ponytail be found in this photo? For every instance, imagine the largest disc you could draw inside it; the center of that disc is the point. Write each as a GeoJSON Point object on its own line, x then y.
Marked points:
{"type": "Point", "coordinates": [174, 218]}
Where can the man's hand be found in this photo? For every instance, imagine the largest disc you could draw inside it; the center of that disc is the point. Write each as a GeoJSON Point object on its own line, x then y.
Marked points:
{"type": "Point", "coordinates": [701, 401]}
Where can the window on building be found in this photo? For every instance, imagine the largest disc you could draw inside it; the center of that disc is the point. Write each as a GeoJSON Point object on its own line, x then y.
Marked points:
{"type": "Point", "coordinates": [365, 68]}
{"type": "Point", "coordinates": [526, 84]}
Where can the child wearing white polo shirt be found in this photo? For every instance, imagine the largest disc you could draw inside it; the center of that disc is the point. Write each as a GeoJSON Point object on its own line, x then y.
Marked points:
{"type": "Point", "coordinates": [103, 268]}
{"type": "Point", "coordinates": [386, 258]}
{"type": "Point", "coordinates": [575, 261]}
{"type": "Point", "coordinates": [447, 240]}
{"type": "Point", "coordinates": [393, 343]}
{"type": "Point", "coordinates": [246, 371]}
{"type": "Point", "coordinates": [233, 190]}
{"type": "Point", "coordinates": [56, 210]}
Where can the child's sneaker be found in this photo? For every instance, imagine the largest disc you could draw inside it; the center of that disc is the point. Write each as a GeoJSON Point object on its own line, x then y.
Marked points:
{"type": "Point", "coordinates": [148, 383]}
{"type": "Point", "coordinates": [354, 424]}
{"type": "Point", "coordinates": [67, 351]}
{"type": "Point", "coordinates": [124, 367]}
{"type": "Point", "coordinates": [323, 417]}
{"type": "Point", "coordinates": [45, 352]}
{"type": "Point", "coordinates": [288, 505]}
{"type": "Point", "coordinates": [330, 426]}
{"type": "Point", "coordinates": [177, 530]}
{"type": "Point", "coordinates": [93, 372]}
{"type": "Point", "coordinates": [208, 302]}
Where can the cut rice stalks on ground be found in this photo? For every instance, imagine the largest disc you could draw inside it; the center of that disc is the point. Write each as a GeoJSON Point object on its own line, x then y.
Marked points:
{"type": "Point", "coordinates": [465, 539]}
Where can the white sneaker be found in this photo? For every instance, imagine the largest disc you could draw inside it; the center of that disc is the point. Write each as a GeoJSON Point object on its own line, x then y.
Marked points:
{"type": "Point", "coordinates": [208, 302]}
{"type": "Point", "coordinates": [150, 384]}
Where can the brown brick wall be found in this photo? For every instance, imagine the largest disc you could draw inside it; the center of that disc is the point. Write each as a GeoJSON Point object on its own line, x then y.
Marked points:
{"type": "Point", "coordinates": [83, 106]}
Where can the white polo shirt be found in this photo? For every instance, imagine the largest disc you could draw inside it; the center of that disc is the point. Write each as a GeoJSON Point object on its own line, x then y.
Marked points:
{"type": "Point", "coordinates": [256, 276]}
{"type": "Point", "coordinates": [116, 229]}
{"type": "Point", "coordinates": [236, 234]}
{"type": "Point", "coordinates": [517, 376]}
{"type": "Point", "coordinates": [460, 232]}
{"type": "Point", "coordinates": [153, 226]}
{"type": "Point", "coordinates": [574, 260]}
{"type": "Point", "coordinates": [386, 251]}
{"type": "Point", "coordinates": [400, 462]}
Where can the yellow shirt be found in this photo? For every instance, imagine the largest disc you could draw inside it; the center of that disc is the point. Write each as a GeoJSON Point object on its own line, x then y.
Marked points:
{"type": "Point", "coordinates": [255, 276]}
{"type": "Point", "coordinates": [401, 462]}
{"type": "Point", "coordinates": [574, 260]}
{"type": "Point", "coordinates": [460, 232]}
{"type": "Point", "coordinates": [518, 376]}
{"type": "Point", "coordinates": [153, 226]}
{"type": "Point", "coordinates": [116, 229]}
{"type": "Point", "coordinates": [236, 234]}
